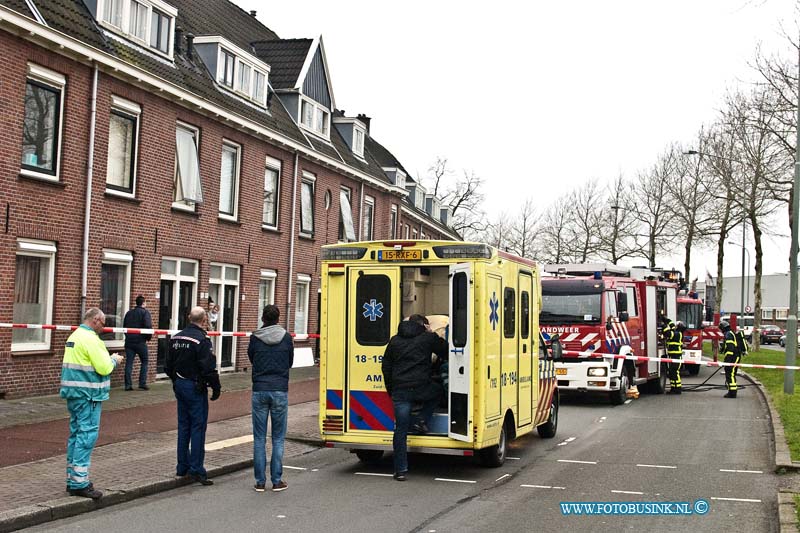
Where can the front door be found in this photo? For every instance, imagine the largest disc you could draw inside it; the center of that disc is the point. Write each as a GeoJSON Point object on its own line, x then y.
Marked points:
{"type": "Point", "coordinates": [223, 291]}
{"type": "Point", "coordinates": [165, 309]}
{"type": "Point", "coordinates": [373, 316]}
{"type": "Point", "coordinates": [462, 336]}
{"type": "Point", "coordinates": [525, 388]}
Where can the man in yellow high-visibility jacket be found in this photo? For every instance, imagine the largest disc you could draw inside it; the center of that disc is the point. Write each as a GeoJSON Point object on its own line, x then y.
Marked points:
{"type": "Point", "coordinates": [85, 383]}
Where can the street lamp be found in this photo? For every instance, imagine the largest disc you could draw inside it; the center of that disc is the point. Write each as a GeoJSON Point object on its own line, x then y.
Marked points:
{"type": "Point", "coordinates": [744, 249]}
{"type": "Point", "coordinates": [791, 321]}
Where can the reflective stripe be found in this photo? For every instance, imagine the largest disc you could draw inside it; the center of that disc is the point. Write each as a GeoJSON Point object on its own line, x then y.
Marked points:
{"type": "Point", "coordinates": [86, 384]}
{"type": "Point", "coordinates": [80, 469]}
{"type": "Point", "coordinates": [76, 366]}
{"type": "Point", "coordinates": [77, 477]}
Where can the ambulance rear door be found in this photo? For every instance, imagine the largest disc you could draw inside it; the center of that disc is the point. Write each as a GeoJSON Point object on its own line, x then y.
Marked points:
{"type": "Point", "coordinates": [459, 403]}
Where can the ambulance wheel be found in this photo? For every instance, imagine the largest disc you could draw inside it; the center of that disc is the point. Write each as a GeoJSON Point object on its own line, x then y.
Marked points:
{"type": "Point", "coordinates": [549, 428]}
{"type": "Point", "coordinates": [369, 456]}
{"type": "Point", "coordinates": [693, 369]}
{"type": "Point", "coordinates": [618, 397]}
{"type": "Point", "coordinates": [495, 456]}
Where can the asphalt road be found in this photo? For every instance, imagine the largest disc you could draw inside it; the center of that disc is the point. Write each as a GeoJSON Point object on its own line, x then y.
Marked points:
{"type": "Point", "coordinates": [656, 448]}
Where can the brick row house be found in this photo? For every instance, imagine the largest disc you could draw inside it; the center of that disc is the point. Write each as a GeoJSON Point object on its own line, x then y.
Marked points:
{"type": "Point", "coordinates": [180, 150]}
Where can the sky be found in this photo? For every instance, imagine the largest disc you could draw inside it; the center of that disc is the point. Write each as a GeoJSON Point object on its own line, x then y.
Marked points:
{"type": "Point", "coordinates": [539, 97]}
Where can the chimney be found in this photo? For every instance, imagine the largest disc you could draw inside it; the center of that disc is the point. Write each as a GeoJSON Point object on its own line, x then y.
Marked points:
{"type": "Point", "coordinates": [253, 13]}
{"type": "Point", "coordinates": [189, 45]}
{"type": "Point", "coordinates": [178, 39]}
{"type": "Point", "coordinates": [365, 119]}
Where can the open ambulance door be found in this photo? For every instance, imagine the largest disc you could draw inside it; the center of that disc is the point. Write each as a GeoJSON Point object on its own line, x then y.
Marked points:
{"type": "Point", "coordinates": [459, 402]}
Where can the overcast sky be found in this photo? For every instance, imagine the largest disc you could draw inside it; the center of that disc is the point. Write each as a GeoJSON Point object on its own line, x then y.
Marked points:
{"type": "Point", "coordinates": [538, 97]}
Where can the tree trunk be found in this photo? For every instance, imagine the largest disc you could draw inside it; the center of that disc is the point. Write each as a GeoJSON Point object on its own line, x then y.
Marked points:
{"type": "Point", "coordinates": [757, 283]}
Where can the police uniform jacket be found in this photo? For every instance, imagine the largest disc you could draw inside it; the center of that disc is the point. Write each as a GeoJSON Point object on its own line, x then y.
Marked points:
{"type": "Point", "coordinates": [190, 357]}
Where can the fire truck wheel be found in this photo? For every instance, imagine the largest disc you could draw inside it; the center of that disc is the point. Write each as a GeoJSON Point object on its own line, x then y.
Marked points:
{"type": "Point", "coordinates": [549, 428]}
{"type": "Point", "coordinates": [693, 369]}
{"type": "Point", "coordinates": [618, 397]}
{"type": "Point", "coordinates": [495, 456]}
{"type": "Point", "coordinates": [659, 385]}
{"type": "Point", "coordinates": [369, 456]}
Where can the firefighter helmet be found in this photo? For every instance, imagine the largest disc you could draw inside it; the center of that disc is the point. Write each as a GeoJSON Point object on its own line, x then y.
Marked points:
{"type": "Point", "coordinates": [724, 326]}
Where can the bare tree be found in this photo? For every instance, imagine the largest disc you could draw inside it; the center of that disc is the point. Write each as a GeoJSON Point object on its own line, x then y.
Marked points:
{"type": "Point", "coordinates": [651, 206]}
{"type": "Point", "coordinates": [464, 196]}
{"type": "Point", "coordinates": [553, 232]}
{"type": "Point", "coordinates": [524, 230]}
{"type": "Point", "coordinates": [583, 232]}
{"type": "Point", "coordinates": [618, 228]}
{"type": "Point", "coordinates": [499, 232]}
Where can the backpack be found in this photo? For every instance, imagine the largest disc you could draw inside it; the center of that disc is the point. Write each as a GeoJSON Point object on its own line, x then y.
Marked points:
{"type": "Point", "coordinates": [741, 343]}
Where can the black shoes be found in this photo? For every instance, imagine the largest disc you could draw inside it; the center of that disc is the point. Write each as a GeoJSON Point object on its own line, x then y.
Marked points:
{"type": "Point", "coordinates": [675, 391]}
{"type": "Point", "coordinates": [731, 394]}
{"type": "Point", "coordinates": [399, 476]}
{"type": "Point", "coordinates": [202, 480]}
{"type": "Point", "coordinates": [128, 388]}
{"type": "Point", "coordinates": [86, 492]}
{"type": "Point", "coordinates": [420, 428]}
{"type": "Point", "coordinates": [144, 387]}
{"type": "Point", "coordinates": [260, 487]}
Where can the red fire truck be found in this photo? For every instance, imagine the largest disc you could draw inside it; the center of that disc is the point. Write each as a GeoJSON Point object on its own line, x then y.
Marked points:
{"type": "Point", "coordinates": [600, 308]}
{"type": "Point", "coordinates": [690, 312]}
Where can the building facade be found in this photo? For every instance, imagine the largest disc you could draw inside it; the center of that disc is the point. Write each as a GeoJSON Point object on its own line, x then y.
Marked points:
{"type": "Point", "coordinates": [182, 151]}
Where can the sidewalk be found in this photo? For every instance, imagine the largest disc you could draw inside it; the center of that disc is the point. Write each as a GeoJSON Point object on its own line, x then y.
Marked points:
{"type": "Point", "coordinates": [139, 466]}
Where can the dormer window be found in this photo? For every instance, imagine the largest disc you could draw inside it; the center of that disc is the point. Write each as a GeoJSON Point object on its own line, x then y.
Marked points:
{"type": "Point", "coordinates": [233, 68]}
{"type": "Point", "coordinates": [358, 142]}
{"type": "Point", "coordinates": [149, 23]}
{"type": "Point", "coordinates": [227, 62]}
{"type": "Point", "coordinates": [314, 117]}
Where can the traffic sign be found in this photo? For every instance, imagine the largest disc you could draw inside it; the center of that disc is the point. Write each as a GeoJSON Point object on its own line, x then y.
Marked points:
{"type": "Point", "coordinates": [748, 309]}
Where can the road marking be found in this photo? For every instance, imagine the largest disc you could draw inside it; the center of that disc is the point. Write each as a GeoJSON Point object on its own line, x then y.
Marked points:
{"type": "Point", "coordinates": [579, 462]}
{"type": "Point", "coordinates": [602, 419]}
{"type": "Point", "coordinates": [280, 516]}
{"type": "Point", "coordinates": [737, 500]}
{"type": "Point", "coordinates": [373, 474]}
{"type": "Point", "coordinates": [453, 480]}
{"type": "Point", "coordinates": [542, 487]}
{"type": "Point", "coordinates": [513, 458]}
{"type": "Point", "coordinates": [658, 466]}
{"type": "Point", "coordinates": [628, 401]}
{"type": "Point", "coordinates": [502, 477]}
{"type": "Point", "coordinates": [567, 441]}
{"type": "Point", "coordinates": [227, 443]}
{"type": "Point", "coordinates": [742, 471]}
{"type": "Point", "coordinates": [294, 467]}
{"type": "Point", "coordinates": [626, 492]}
{"type": "Point", "coordinates": [315, 469]}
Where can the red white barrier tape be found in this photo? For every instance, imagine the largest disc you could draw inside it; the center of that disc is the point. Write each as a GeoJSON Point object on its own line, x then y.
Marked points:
{"type": "Point", "coordinates": [642, 359]}
{"type": "Point", "coordinates": [140, 331]}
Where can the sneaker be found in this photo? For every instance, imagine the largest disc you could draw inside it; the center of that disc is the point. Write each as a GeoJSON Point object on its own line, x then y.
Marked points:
{"type": "Point", "coordinates": [279, 486]}
{"type": "Point", "coordinates": [260, 487]}
{"type": "Point", "coordinates": [90, 486]}
{"type": "Point", "coordinates": [144, 387]}
{"type": "Point", "coordinates": [399, 476]}
{"type": "Point", "coordinates": [86, 492]}
{"type": "Point", "coordinates": [202, 480]}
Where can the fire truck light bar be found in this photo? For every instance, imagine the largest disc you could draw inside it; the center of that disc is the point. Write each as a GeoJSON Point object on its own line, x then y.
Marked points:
{"type": "Point", "coordinates": [343, 254]}
{"type": "Point", "coordinates": [463, 251]}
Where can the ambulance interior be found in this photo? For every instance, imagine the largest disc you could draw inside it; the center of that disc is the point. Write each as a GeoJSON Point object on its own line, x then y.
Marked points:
{"type": "Point", "coordinates": [426, 291]}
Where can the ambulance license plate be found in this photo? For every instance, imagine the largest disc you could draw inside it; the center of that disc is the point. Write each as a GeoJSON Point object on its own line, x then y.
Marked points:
{"type": "Point", "coordinates": [561, 371]}
{"type": "Point", "coordinates": [399, 255]}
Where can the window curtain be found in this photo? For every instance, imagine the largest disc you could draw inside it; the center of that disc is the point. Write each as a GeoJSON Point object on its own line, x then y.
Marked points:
{"type": "Point", "coordinates": [307, 207]}
{"type": "Point", "coordinates": [188, 168]}
{"type": "Point", "coordinates": [347, 215]}
{"type": "Point", "coordinates": [227, 180]}
{"type": "Point", "coordinates": [270, 197]}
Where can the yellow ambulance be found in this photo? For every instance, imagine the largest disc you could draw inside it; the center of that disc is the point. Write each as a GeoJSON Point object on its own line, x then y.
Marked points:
{"type": "Point", "coordinates": [498, 384]}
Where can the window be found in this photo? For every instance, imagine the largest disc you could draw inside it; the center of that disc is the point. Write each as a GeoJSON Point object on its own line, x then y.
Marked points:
{"type": "Point", "coordinates": [633, 309]}
{"type": "Point", "coordinates": [460, 310]}
{"type": "Point", "coordinates": [322, 121]}
{"type": "Point", "coordinates": [271, 193]}
{"type": "Point", "coordinates": [525, 318]}
{"type": "Point", "coordinates": [266, 290]}
{"type": "Point", "coordinates": [112, 12]}
{"type": "Point", "coordinates": [122, 142]}
{"type": "Point", "coordinates": [188, 189]}
{"type": "Point", "coordinates": [346, 229]}
{"type": "Point", "coordinates": [611, 303]}
{"type": "Point", "coordinates": [115, 275]}
{"type": "Point", "coordinates": [243, 84]}
{"type": "Point", "coordinates": [422, 235]}
{"type": "Point", "coordinates": [314, 117]}
{"type": "Point", "coordinates": [358, 142]}
{"type": "Point", "coordinates": [414, 234]}
{"type": "Point", "coordinates": [301, 304]}
{"type": "Point", "coordinates": [227, 62]}
{"type": "Point", "coordinates": [41, 128]}
{"type": "Point", "coordinates": [259, 86]}
{"type": "Point", "coordinates": [33, 293]}
{"type": "Point", "coordinates": [367, 218]}
{"type": "Point", "coordinates": [393, 226]}
{"type": "Point", "coordinates": [307, 204]}
{"type": "Point", "coordinates": [373, 310]}
{"type": "Point", "coordinates": [509, 313]}
{"type": "Point", "coordinates": [138, 20]}
{"type": "Point", "coordinates": [766, 314]}
{"type": "Point", "coordinates": [229, 180]}
{"type": "Point", "coordinates": [307, 118]}
{"type": "Point", "coordinates": [160, 31]}
{"type": "Point", "coordinates": [407, 231]}
{"type": "Point", "coordinates": [781, 314]}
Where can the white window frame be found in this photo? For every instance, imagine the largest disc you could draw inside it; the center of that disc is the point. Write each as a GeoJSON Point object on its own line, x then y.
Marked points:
{"type": "Point", "coordinates": [369, 202]}
{"type": "Point", "coordinates": [125, 259]}
{"type": "Point", "coordinates": [125, 23]}
{"type": "Point", "coordinates": [270, 277]}
{"type": "Point", "coordinates": [393, 229]}
{"type": "Point", "coordinates": [347, 192]}
{"type": "Point", "coordinates": [781, 314]}
{"type": "Point", "coordinates": [56, 82]}
{"type": "Point", "coordinates": [303, 283]}
{"type": "Point", "coordinates": [414, 234]}
{"type": "Point", "coordinates": [249, 90]}
{"type": "Point", "coordinates": [408, 231]}
{"type": "Point", "coordinates": [133, 111]}
{"type": "Point", "coordinates": [359, 134]}
{"type": "Point", "coordinates": [274, 165]}
{"type": "Point", "coordinates": [766, 314]}
{"type": "Point", "coordinates": [47, 250]}
{"type": "Point", "coordinates": [132, 20]}
{"type": "Point", "coordinates": [308, 179]}
{"type": "Point", "coordinates": [186, 205]}
{"type": "Point", "coordinates": [237, 148]}
{"type": "Point", "coordinates": [222, 55]}
{"type": "Point", "coordinates": [317, 108]}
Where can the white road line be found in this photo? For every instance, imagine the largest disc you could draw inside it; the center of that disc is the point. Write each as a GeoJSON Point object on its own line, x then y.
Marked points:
{"type": "Point", "coordinates": [372, 474]}
{"type": "Point", "coordinates": [542, 487]}
{"type": "Point", "coordinates": [579, 462]}
{"type": "Point", "coordinates": [453, 480]}
{"type": "Point", "coordinates": [315, 469]}
{"type": "Point", "coordinates": [294, 467]}
{"type": "Point", "coordinates": [742, 471]}
{"type": "Point", "coordinates": [513, 458]}
{"type": "Point", "coordinates": [628, 401]}
{"type": "Point", "coordinates": [736, 500]}
{"type": "Point", "coordinates": [567, 441]}
{"type": "Point", "coordinates": [227, 443]}
{"type": "Point", "coordinates": [626, 492]}
{"type": "Point", "coordinates": [658, 466]}
{"type": "Point", "coordinates": [502, 477]}
{"type": "Point", "coordinates": [602, 419]}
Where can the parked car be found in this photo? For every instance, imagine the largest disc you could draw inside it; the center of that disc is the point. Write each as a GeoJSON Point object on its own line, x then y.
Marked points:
{"type": "Point", "coordinates": [782, 340]}
{"type": "Point", "coordinates": [769, 334]}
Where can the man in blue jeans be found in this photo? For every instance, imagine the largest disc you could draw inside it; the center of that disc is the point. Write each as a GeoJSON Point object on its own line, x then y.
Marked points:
{"type": "Point", "coordinates": [271, 352]}
{"type": "Point", "coordinates": [407, 375]}
{"type": "Point", "coordinates": [136, 343]}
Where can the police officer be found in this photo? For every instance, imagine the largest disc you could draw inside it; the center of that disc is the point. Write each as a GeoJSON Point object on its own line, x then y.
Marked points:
{"type": "Point", "coordinates": [731, 354]}
{"type": "Point", "coordinates": [673, 336]}
{"type": "Point", "coordinates": [192, 368]}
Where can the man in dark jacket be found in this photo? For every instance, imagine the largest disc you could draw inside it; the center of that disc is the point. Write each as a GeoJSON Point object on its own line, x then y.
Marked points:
{"type": "Point", "coordinates": [192, 368]}
{"type": "Point", "coordinates": [407, 375]}
{"type": "Point", "coordinates": [271, 352]}
{"type": "Point", "coordinates": [136, 343]}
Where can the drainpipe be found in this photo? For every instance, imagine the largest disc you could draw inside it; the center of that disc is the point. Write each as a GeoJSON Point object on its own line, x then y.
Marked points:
{"type": "Point", "coordinates": [291, 239]}
{"type": "Point", "coordinates": [88, 207]}
{"type": "Point", "coordinates": [361, 215]}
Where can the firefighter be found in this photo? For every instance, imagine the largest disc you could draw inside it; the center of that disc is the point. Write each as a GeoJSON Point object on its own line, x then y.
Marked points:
{"type": "Point", "coordinates": [731, 354]}
{"type": "Point", "coordinates": [673, 338]}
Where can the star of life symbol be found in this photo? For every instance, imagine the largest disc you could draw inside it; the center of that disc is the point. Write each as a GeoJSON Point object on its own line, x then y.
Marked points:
{"type": "Point", "coordinates": [493, 305]}
{"type": "Point", "coordinates": [373, 310]}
